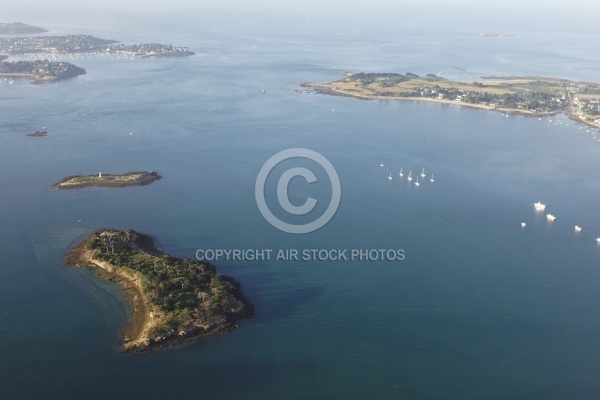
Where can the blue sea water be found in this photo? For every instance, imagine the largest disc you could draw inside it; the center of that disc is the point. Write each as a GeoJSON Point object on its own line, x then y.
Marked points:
{"type": "Point", "coordinates": [479, 309]}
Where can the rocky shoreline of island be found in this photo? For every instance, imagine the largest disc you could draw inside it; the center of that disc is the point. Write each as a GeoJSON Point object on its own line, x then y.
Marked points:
{"type": "Point", "coordinates": [174, 300]}
{"type": "Point", "coordinates": [528, 96]}
{"type": "Point", "coordinates": [138, 178]}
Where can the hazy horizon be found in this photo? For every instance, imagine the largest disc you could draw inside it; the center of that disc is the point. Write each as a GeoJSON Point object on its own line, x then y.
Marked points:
{"type": "Point", "coordinates": [532, 16]}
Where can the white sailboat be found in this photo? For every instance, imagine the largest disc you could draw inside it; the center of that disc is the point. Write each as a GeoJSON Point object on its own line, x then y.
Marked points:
{"type": "Point", "coordinates": [381, 165]}
{"type": "Point", "coordinates": [390, 177]}
{"type": "Point", "coordinates": [423, 173]}
{"type": "Point", "coordinates": [417, 182]}
{"type": "Point", "coordinates": [431, 179]}
{"type": "Point", "coordinates": [409, 176]}
{"type": "Point", "coordinates": [401, 173]}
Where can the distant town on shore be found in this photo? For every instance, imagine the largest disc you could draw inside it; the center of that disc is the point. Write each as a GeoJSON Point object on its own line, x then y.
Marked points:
{"type": "Point", "coordinates": [85, 44]}
{"type": "Point", "coordinates": [533, 96]}
{"type": "Point", "coordinates": [43, 70]}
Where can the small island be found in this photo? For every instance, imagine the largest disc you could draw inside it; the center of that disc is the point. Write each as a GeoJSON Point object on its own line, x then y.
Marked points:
{"type": "Point", "coordinates": [173, 299]}
{"type": "Point", "coordinates": [531, 96]}
{"type": "Point", "coordinates": [41, 133]}
{"type": "Point", "coordinates": [495, 35]}
{"type": "Point", "coordinates": [40, 71]}
{"type": "Point", "coordinates": [108, 180]}
{"type": "Point", "coordinates": [18, 28]}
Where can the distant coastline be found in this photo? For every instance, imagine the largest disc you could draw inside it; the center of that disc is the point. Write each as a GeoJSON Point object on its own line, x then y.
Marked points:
{"type": "Point", "coordinates": [18, 28]}
{"type": "Point", "coordinates": [320, 89]}
{"type": "Point", "coordinates": [44, 71]}
{"type": "Point", "coordinates": [495, 35]}
{"type": "Point", "coordinates": [128, 179]}
{"type": "Point", "coordinates": [82, 44]}
{"type": "Point", "coordinates": [529, 96]}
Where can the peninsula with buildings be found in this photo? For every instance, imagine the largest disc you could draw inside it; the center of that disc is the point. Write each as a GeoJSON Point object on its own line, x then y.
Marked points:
{"type": "Point", "coordinates": [71, 44]}
{"type": "Point", "coordinates": [174, 299]}
{"type": "Point", "coordinates": [40, 71]}
{"type": "Point", "coordinates": [532, 96]}
{"type": "Point", "coordinates": [108, 180]}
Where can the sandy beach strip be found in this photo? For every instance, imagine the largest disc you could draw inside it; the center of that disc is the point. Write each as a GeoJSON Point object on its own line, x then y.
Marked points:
{"type": "Point", "coordinates": [141, 318]}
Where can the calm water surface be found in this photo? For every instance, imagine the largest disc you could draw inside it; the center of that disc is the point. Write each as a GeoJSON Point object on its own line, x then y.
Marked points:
{"type": "Point", "coordinates": [480, 308]}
